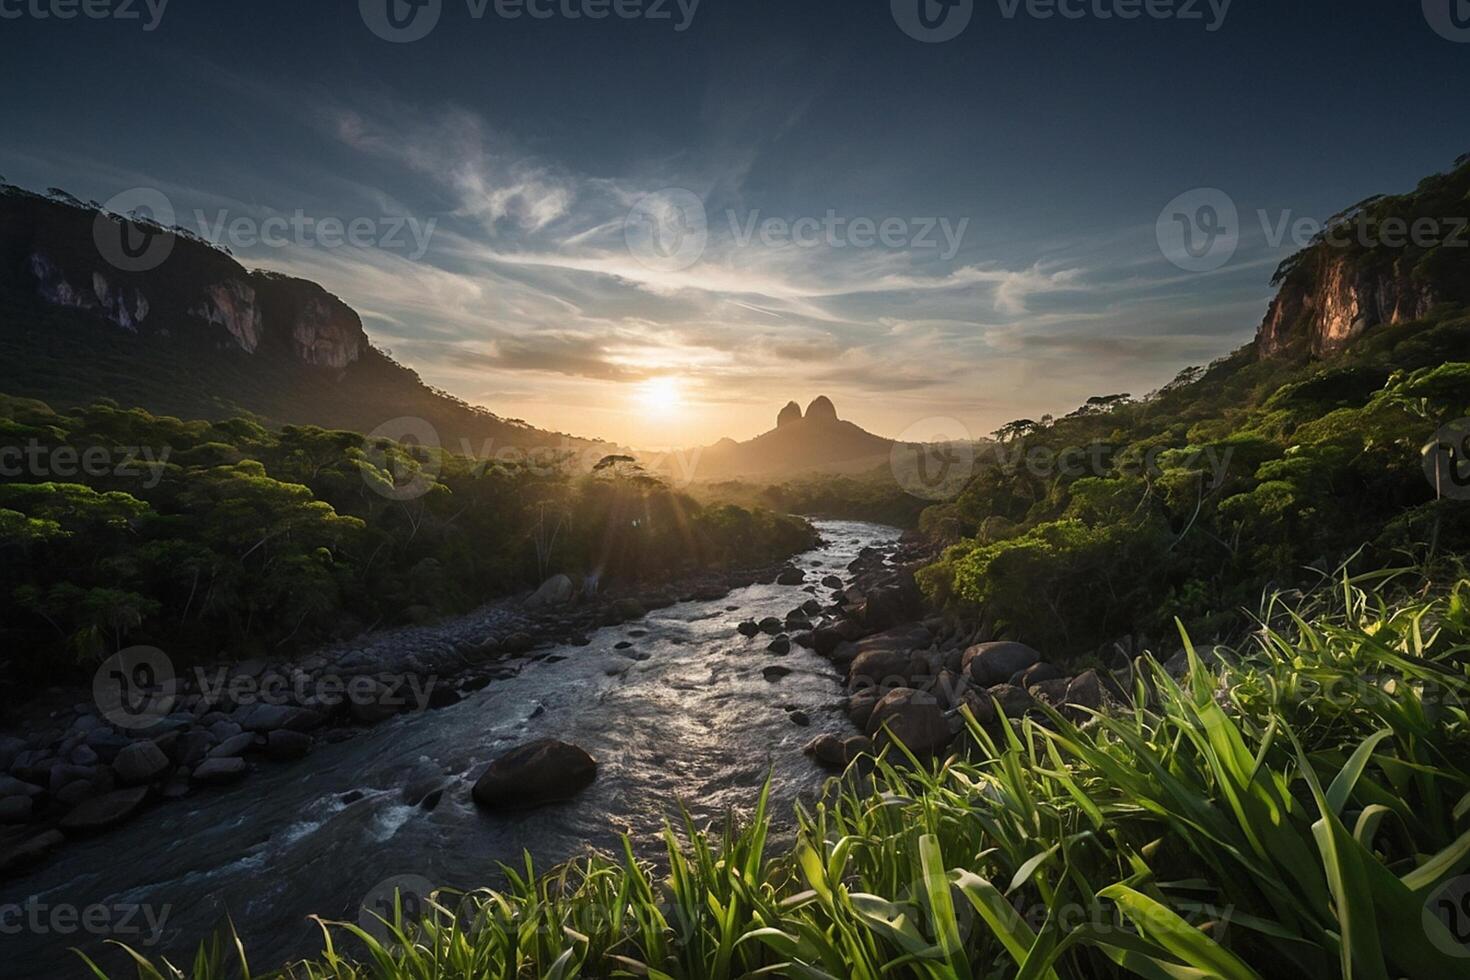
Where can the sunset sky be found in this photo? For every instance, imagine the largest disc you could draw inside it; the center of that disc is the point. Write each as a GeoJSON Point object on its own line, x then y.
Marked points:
{"type": "Point", "coordinates": [1054, 144]}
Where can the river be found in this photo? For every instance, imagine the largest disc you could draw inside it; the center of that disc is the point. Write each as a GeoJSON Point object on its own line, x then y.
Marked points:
{"type": "Point", "coordinates": [694, 721]}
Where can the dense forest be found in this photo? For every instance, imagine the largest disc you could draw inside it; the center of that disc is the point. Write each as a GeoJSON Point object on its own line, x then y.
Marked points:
{"type": "Point", "coordinates": [1122, 517]}
{"type": "Point", "coordinates": [230, 538]}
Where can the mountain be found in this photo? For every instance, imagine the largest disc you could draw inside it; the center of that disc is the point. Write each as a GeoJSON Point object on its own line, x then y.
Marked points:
{"type": "Point", "coordinates": [94, 306]}
{"type": "Point", "coordinates": [1386, 261]}
{"type": "Point", "coordinates": [810, 442]}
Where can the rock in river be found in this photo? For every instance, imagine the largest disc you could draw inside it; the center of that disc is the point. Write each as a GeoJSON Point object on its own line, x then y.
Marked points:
{"type": "Point", "coordinates": [547, 771]}
{"type": "Point", "coordinates": [141, 762]}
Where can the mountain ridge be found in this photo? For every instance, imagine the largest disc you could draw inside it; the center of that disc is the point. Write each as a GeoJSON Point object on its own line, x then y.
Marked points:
{"type": "Point", "coordinates": [199, 336]}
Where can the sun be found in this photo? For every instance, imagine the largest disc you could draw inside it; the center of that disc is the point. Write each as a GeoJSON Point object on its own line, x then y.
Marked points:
{"type": "Point", "coordinates": [661, 396]}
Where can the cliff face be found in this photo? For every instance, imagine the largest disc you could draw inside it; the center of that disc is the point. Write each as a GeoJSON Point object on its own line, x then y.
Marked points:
{"type": "Point", "coordinates": [1325, 311]}
{"type": "Point", "coordinates": [49, 249]}
{"type": "Point", "coordinates": [81, 319]}
{"type": "Point", "coordinates": [1385, 261]}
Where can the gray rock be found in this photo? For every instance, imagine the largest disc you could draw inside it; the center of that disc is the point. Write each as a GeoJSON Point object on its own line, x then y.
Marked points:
{"type": "Point", "coordinates": [791, 576]}
{"type": "Point", "coordinates": [772, 626]}
{"type": "Point", "coordinates": [72, 794]}
{"type": "Point", "coordinates": [749, 628]}
{"type": "Point", "coordinates": [10, 748]}
{"type": "Point", "coordinates": [989, 664]}
{"type": "Point", "coordinates": [1037, 674]}
{"type": "Point", "coordinates": [860, 706]}
{"type": "Point", "coordinates": [84, 755]}
{"type": "Point", "coordinates": [218, 771]}
{"type": "Point", "coordinates": [1052, 692]}
{"type": "Point", "coordinates": [10, 786]}
{"type": "Point", "coordinates": [913, 718]}
{"type": "Point", "coordinates": [106, 811]}
{"type": "Point", "coordinates": [1012, 700]}
{"type": "Point", "coordinates": [780, 646]}
{"type": "Point", "coordinates": [233, 748]}
{"type": "Point", "coordinates": [270, 717]}
{"type": "Point", "coordinates": [882, 669]}
{"type": "Point", "coordinates": [140, 762]}
{"type": "Point", "coordinates": [555, 591]}
{"type": "Point", "coordinates": [535, 774]}
{"type": "Point", "coordinates": [775, 673]}
{"type": "Point", "coordinates": [799, 718]}
{"type": "Point", "coordinates": [107, 743]}
{"type": "Point", "coordinates": [193, 747]}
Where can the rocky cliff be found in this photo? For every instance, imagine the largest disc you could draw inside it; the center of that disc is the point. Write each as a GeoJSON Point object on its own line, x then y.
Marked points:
{"type": "Point", "coordinates": [1387, 261]}
{"type": "Point", "coordinates": [54, 249]}
{"type": "Point", "coordinates": [89, 310]}
{"type": "Point", "coordinates": [1323, 313]}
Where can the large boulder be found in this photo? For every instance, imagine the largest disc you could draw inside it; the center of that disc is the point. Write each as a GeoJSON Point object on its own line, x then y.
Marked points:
{"type": "Point", "coordinates": [989, 664]}
{"type": "Point", "coordinates": [264, 718]}
{"type": "Point", "coordinates": [881, 668]}
{"type": "Point", "coordinates": [913, 718]}
{"type": "Point", "coordinates": [835, 752]}
{"type": "Point", "coordinates": [141, 762]}
{"type": "Point", "coordinates": [220, 771]}
{"type": "Point", "coordinates": [791, 575]}
{"type": "Point", "coordinates": [827, 639]}
{"type": "Point", "coordinates": [555, 591]}
{"type": "Point", "coordinates": [535, 774]}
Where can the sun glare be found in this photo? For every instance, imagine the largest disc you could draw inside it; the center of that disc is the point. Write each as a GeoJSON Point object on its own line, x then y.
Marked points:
{"type": "Point", "coordinates": [661, 396]}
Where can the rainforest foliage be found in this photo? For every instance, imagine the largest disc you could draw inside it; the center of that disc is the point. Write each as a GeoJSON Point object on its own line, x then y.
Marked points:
{"type": "Point", "coordinates": [122, 527]}
{"type": "Point", "coordinates": [1240, 477]}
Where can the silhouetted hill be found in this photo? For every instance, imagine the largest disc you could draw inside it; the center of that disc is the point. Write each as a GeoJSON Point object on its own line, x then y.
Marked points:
{"type": "Point", "coordinates": [817, 441]}
{"type": "Point", "coordinates": [86, 313]}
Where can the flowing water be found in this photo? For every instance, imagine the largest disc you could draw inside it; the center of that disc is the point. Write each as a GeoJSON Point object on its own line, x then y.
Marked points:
{"type": "Point", "coordinates": [694, 721]}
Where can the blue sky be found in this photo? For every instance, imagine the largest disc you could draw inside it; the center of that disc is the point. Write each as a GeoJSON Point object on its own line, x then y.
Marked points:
{"type": "Point", "coordinates": [1053, 143]}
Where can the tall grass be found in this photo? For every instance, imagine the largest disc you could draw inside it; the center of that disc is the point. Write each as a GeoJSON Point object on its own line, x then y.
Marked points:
{"type": "Point", "coordinates": [1291, 814]}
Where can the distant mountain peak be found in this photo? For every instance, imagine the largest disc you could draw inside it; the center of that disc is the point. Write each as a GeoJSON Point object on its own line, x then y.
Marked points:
{"type": "Point", "coordinates": [791, 413]}
{"type": "Point", "coordinates": [821, 410]}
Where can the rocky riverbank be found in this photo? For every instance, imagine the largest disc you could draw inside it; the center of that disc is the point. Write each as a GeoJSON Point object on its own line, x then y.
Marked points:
{"type": "Point", "coordinates": [74, 767]}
